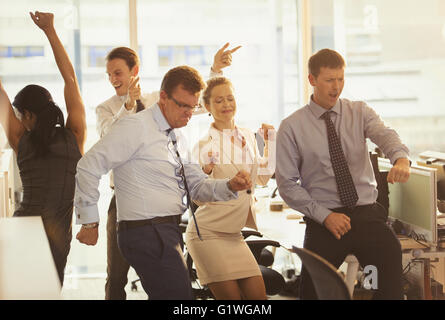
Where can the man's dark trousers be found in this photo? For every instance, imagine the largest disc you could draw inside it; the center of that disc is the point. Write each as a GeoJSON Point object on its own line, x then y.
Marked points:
{"type": "Point", "coordinates": [370, 240]}
{"type": "Point", "coordinates": [155, 252]}
{"type": "Point", "coordinates": [117, 266]}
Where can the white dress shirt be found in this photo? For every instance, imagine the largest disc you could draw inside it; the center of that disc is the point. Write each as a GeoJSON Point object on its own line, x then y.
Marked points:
{"type": "Point", "coordinates": [111, 110]}
{"type": "Point", "coordinates": [230, 216]}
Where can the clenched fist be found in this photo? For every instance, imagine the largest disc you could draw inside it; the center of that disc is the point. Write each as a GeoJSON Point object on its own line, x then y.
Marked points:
{"type": "Point", "coordinates": [400, 172]}
{"type": "Point", "coordinates": [88, 236]}
{"type": "Point", "coordinates": [338, 224]}
{"type": "Point", "coordinates": [44, 20]}
{"type": "Point", "coordinates": [241, 181]}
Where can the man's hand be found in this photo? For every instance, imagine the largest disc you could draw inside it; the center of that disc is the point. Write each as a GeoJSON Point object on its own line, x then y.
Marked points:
{"type": "Point", "coordinates": [338, 224]}
{"type": "Point", "coordinates": [400, 171]}
{"type": "Point", "coordinates": [134, 93]}
{"type": "Point", "coordinates": [241, 181]}
{"type": "Point", "coordinates": [223, 58]}
{"type": "Point", "coordinates": [88, 236]}
{"type": "Point", "coordinates": [44, 20]}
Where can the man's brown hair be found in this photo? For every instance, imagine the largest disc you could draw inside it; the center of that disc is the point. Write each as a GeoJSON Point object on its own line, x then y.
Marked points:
{"type": "Point", "coordinates": [325, 58]}
{"type": "Point", "coordinates": [128, 55]}
{"type": "Point", "coordinates": [188, 77]}
{"type": "Point", "coordinates": [212, 83]}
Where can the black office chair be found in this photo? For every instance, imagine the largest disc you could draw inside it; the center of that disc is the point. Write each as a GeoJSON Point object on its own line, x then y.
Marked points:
{"type": "Point", "coordinates": [328, 283]}
{"type": "Point", "coordinates": [273, 280]}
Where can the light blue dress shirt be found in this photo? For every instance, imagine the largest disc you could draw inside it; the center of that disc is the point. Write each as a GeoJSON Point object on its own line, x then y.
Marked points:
{"type": "Point", "coordinates": [304, 173]}
{"type": "Point", "coordinates": [147, 183]}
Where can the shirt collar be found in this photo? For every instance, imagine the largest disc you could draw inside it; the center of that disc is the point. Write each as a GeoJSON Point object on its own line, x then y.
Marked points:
{"type": "Point", "coordinates": [122, 98]}
{"type": "Point", "coordinates": [216, 134]}
{"type": "Point", "coordinates": [318, 110]}
{"type": "Point", "coordinates": [158, 116]}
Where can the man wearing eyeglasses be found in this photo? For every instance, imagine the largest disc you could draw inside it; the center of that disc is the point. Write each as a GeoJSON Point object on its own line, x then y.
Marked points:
{"type": "Point", "coordinates": [122, 70]}
{"type": "Point", "coordinates": [148, 159]}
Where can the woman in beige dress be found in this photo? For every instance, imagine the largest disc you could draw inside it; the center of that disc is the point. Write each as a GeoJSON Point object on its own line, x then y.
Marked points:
{"type": "Point", "coordinates": [222, 258]}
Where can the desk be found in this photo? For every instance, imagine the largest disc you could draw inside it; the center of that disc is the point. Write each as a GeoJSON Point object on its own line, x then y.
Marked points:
{"type": "Point", "coordinates": [434, 257]}
{"type": "Point", "coordinates": [27, 269]}
{"type": "Point", "coordinates": [275, 226]}
{"type": "Point", "coordinates": [7, 204]}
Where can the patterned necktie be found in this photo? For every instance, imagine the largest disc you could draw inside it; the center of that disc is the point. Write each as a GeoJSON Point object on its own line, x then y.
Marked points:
{"type": "Point", "coordinates": [345, 184]}
{"type": "Point", "coordinates": [189, 200]}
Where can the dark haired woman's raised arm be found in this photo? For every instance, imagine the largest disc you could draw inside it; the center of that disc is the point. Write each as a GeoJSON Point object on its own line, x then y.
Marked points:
{"type": "Point", "coordinates": [74, 104]}
{"type": "Point", "coordinates": [14, 129]}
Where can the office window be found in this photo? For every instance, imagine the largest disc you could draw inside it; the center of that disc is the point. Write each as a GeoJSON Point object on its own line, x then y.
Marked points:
{"type": "Point", "coordinates": [190, 55]}
{"type": "Point", "coordinates": [264, 71]}
{"type": "Point", "coordinates": [88, 30]}
{"type": "Point", "coordinates": [97, 55]}
{"type": "Point", "coordinates": [21, 51]}
{"type": "Point", "coordinates": [395, 54]}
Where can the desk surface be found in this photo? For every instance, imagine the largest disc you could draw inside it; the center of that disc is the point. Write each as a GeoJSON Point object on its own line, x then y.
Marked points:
{"type": "Point", "coordinates": [27, 269]}
{"type": "Point", "coordinates": [275, 225]}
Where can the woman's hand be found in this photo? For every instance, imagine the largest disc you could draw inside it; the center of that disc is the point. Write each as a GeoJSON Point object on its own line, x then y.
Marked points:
{"type": "Point", "coordinates": [223, 58]}
{"type": "Point", "coordinates": [44, 20]}
{"type": "Point", "coordinates": [211, 160]}
{"type": "Point", "coordinates": [266, 131]}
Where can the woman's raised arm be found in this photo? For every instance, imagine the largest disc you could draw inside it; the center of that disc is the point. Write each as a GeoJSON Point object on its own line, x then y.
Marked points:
{"type": "Point", "coordinates": [74, 105]}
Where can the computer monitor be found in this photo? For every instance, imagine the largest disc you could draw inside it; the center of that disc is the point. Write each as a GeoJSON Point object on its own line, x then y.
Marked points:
{"type": "Point", "coordinates": [434, 159]}
{"type": "Point", "coordinates": [414, 203]}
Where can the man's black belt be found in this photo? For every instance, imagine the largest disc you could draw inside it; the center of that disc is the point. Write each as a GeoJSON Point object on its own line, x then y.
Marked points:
{"type": "Point", "coordinates": [130, 224]}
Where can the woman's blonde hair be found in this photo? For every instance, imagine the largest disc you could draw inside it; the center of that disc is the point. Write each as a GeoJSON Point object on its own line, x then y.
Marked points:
{"type": "Point", "coordinates": [212, 83]}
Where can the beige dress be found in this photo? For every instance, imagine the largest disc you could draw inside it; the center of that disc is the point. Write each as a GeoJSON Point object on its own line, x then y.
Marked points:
{"type": "Point", "coordinates": [222, 254]}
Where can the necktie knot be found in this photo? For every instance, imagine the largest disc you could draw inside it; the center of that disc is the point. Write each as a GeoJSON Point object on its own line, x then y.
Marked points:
{"type": "Point", "coordinates": [326, 115]}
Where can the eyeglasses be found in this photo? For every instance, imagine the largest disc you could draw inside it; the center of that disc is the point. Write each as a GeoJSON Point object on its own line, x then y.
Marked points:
{"type": "Point", "coordinates": [184, 106]}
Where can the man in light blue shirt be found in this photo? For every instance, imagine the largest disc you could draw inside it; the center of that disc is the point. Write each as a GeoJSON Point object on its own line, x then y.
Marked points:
{"type": "Point", "coordinates": [324, 171]}
{"type": "Point", "coordinates": [151, 185]}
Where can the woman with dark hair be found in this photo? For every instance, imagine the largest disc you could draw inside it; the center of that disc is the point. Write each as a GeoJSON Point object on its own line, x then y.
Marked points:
{"type": "Point", "coordinates": [47, 149]}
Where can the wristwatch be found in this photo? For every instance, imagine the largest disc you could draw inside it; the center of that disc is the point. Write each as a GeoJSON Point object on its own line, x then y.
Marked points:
{"type": "Point", "coordinates": [90, 225]}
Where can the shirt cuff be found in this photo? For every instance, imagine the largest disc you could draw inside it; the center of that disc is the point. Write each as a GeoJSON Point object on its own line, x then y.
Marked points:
{"type": "Point", "coordinates": [123, 111]}
{"type": "Point", "coordinates": [320, 214]}
{"type": "Point", "coordinates": [229, 193]}
{"type": "Point", "coordinates": [88, 214]}
{"type": "Point", "coordinates": [214, 74]}
{"type": "Point", "coordinates": [398, 155]}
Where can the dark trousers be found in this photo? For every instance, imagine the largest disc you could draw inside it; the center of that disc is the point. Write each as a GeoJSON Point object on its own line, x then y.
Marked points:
{"type": "Point", "coordinates": [155, 252]}
{"type": "Point", "coordinates": [370, 240]}
{"type": "Point", "coordinates": [117, 266]}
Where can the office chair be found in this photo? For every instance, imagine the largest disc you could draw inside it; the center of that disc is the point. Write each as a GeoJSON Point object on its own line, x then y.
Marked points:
{"type": "Point", "coordinates": [328, 283]}
{"type": "Point", "coordinates": [273, 280]}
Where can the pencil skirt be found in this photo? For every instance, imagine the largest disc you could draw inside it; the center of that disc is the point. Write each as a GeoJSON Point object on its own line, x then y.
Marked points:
{"type": "Point", "coordinates": [221, 256]}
